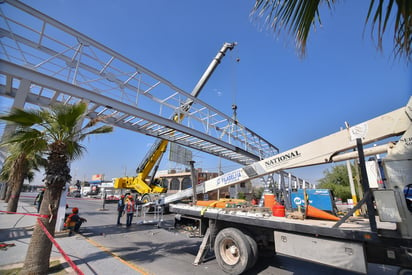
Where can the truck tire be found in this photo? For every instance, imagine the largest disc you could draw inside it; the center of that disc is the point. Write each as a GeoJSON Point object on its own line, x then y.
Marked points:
{"type": "Point", "coordinates": [233, 251]}
{"type": "Point", "coordinates": [405, 271]}
{"type": "Point", "coordinates": [254, 249]}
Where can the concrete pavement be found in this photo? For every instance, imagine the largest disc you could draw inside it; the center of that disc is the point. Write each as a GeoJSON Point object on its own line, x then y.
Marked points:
{"type": "Point", "coordinates": [90, 257]}
{"type": "Point", "coordinates": [105, 248]}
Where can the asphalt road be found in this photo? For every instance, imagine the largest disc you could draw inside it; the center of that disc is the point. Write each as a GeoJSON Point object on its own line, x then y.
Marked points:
{"type": "Point", "coordinates": [161, 249]}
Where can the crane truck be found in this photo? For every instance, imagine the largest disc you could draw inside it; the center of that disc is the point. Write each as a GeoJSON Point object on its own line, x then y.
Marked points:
{"type": "Point", "coordinates": [383, 236]}
{"type": "Point", "coordinates": [151, 161]}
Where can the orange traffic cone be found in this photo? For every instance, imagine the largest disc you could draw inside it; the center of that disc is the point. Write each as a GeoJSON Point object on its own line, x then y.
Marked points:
{"type": "Point", "coordinates": [313, 212]}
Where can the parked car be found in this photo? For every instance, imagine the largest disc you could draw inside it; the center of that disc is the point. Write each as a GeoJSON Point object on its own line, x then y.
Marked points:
{"type": "Point", "coordinates": [111, 196]}
{"type": "Point", "coordinates": [408, 196]}
{"type": "Point", "coordinates": [75, 194]}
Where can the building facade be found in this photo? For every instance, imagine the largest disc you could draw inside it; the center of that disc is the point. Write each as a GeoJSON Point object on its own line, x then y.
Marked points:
{"type": "Point", "coordinates": [176, 181]}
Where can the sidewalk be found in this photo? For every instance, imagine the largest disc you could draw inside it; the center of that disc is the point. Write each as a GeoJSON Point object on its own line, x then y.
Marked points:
{"type": "Point", "coordinates": [88, 256]}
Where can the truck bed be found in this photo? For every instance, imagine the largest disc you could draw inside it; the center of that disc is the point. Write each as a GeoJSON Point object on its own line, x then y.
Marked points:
{"type": "Point", "coordinates": [354, 229]}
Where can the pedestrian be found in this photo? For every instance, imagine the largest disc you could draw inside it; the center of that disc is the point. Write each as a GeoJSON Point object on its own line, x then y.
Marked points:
{"type": "Point", "coordinates": [120, 209]}
{"type": "Point", "coordinates": [39, 199]}
{"type": "Point", "coordinates": [74, 221]}
{"type": "Point", "coordinates": [130, 209]}
{"type": "Point", "coordinates": [138, 204]}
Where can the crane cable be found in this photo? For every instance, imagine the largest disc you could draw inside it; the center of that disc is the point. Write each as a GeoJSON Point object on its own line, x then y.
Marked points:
{"type": "Point", "coordinates": [234, 82]}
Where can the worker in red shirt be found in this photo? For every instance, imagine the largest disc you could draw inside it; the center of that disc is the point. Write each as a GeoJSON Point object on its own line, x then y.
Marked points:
{"type": "Point", "coordinates": [130, 209]}
{"type": "Point", "coordinates": [74, 221]}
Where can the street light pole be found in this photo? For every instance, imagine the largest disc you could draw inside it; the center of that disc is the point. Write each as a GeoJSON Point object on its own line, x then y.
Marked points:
{"type": "Point", "coordinates": [194, 181]}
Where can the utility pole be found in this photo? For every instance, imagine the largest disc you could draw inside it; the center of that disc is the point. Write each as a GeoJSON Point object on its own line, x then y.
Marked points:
{"type": "Point", "coordinates": [194, 181]}
{"type": "Point", "coordinates": [352, 187]}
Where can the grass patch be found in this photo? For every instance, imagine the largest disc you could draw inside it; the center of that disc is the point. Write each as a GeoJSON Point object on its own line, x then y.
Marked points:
{"type": "Point", "coordinates": [55, 268]}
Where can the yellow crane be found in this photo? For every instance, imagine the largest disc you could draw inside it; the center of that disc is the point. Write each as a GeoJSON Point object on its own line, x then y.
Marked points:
{"type": "Point", "coordinates": [142, 183]}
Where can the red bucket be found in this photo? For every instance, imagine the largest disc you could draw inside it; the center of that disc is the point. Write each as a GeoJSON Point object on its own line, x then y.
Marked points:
{"type": "Point", "coordinates": [278, 210]}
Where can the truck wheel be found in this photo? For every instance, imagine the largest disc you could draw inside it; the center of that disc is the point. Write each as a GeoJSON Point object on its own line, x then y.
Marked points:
{"type": "Point", "coordinates": [254, 249]}
{"type": "Point", "coordinates": [146, 198]}
{"type": "Point", "coordinates": [232, 250]}
{"type": "Point", "coordinates": [405, 271]}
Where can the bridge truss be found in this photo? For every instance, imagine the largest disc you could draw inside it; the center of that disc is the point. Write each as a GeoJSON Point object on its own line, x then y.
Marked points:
{"type": "Point", "coordinates": [44, 62]}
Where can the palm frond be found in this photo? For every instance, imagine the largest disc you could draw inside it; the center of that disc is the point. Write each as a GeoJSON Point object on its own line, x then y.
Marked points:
{"type": "Point", "coordinates": [68, 116]}
{"type": "Point", "coordinates": [379, 19]}
{"type": "Point", "coordinates": [29, 137]}
{"type": "Point", "coordinates": [75, 150]}
{"type": "Point", "coordinates": [22, 117]}
{"type": "Point", "coordinates": [100, 130]}
{"type": "Point", "coordinates": [297, 17]}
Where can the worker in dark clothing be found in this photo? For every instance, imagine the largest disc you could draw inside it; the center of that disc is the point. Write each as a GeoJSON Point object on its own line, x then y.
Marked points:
{"type": "Point", "coordinates": [74, 221]}
{"type": "Point", "coordinates": [39, 199]}
{"type": "Point", "coordinates": [120, 209]}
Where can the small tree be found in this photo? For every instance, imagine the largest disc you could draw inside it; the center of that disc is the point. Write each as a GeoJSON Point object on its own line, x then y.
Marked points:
{"type": "Point", "coordinates": [241, 195]}
{"type": "Point", "coordinates": [59, 130]}
{"type": "Point", "coordinates": [337, 180]}
{"type": "Point", "coordinates": [257, 192]}
{"type": "Point", "coordinates": [18, 166]}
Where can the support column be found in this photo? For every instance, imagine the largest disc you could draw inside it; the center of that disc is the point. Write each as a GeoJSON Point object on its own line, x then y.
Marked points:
{"type": "Point", "coordinates": [194, 181]}
{"type": "Point", "coordinates": [19, 101]}
{"type": "Point", "coordinates": [352, 187]}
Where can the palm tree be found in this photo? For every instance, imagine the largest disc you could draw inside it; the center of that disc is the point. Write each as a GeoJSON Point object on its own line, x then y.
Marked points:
{"type": "Point", "coordinates": [17, 167]}
{"type": "Point", "coordinates": [298, 16]}
{"type": "Point", "coordinates": [59, 130]}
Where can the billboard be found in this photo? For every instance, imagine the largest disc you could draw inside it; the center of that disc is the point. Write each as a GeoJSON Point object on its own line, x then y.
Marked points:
{"type": "Point", "coordinates": [97, 177]}
{"type": "Point", "coordinates": [179, 154]}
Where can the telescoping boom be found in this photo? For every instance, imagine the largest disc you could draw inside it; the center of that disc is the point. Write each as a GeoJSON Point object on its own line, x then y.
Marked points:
{"type": "Point", "coordinates": [150, 162]}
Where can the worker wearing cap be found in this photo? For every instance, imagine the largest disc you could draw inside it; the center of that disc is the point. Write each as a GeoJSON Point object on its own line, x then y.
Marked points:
{"type": "Point", "coordinates": [74, 221]}
{"type": "Point", "coordinates": [120, 209]}
{"type": "Point", "coordinates": [130, 209]}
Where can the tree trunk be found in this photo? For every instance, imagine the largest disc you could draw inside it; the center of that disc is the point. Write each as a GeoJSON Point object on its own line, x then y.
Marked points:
{"type": "Point", "coordinates": [57, 174]}
{"type": "Point", "coordinates": [3, 191]}
{"type": "Point", "coordinates": [15, 195]}
{"type": "Point", "coordinates": [39, 250]}
{"type": "Point", "coordinates": [18, 174]}
{"type": "Point", "coordinates": [8, 192]}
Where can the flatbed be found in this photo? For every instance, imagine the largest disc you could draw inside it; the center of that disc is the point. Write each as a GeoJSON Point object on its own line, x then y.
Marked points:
{"type": "Point", "coordinates": [354, 229]}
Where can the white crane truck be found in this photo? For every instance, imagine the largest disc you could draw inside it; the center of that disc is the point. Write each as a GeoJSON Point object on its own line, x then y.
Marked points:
{"type": "Point", "coordinates": [383, 237]}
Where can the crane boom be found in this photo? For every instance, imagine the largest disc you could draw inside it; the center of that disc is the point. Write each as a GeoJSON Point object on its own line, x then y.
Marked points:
{"type": "Point", "coordinates": [155, 154]}
{"type": "Point", "coordinates": [324, 150]}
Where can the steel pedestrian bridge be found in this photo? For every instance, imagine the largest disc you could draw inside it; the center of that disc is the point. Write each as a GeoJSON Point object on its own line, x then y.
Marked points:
{"type": "Point", "coordinates": [44, 62]}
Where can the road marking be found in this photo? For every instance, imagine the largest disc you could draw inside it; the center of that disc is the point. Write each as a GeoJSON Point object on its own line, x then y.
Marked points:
{"type": "Point", "coordinates": [131, 265]}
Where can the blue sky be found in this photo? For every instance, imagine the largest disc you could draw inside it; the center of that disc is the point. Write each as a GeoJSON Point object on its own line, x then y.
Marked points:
{"type": "Point", "coordinates": [287, 100]}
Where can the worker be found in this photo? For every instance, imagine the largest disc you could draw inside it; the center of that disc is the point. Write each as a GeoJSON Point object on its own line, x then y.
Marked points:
{"type": "Point", "coordinates": [138, 204]}
{"type": "Point", "coordinates": [74, 221]}
{"type": "Point", "coordinates": [130, 209]}
{"type": "Point", "coordinates": [120, 209]}
{"type": "Point", "coordinates": [39, 199]}
{"type": "Point", "coordinates": [254, 201]}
